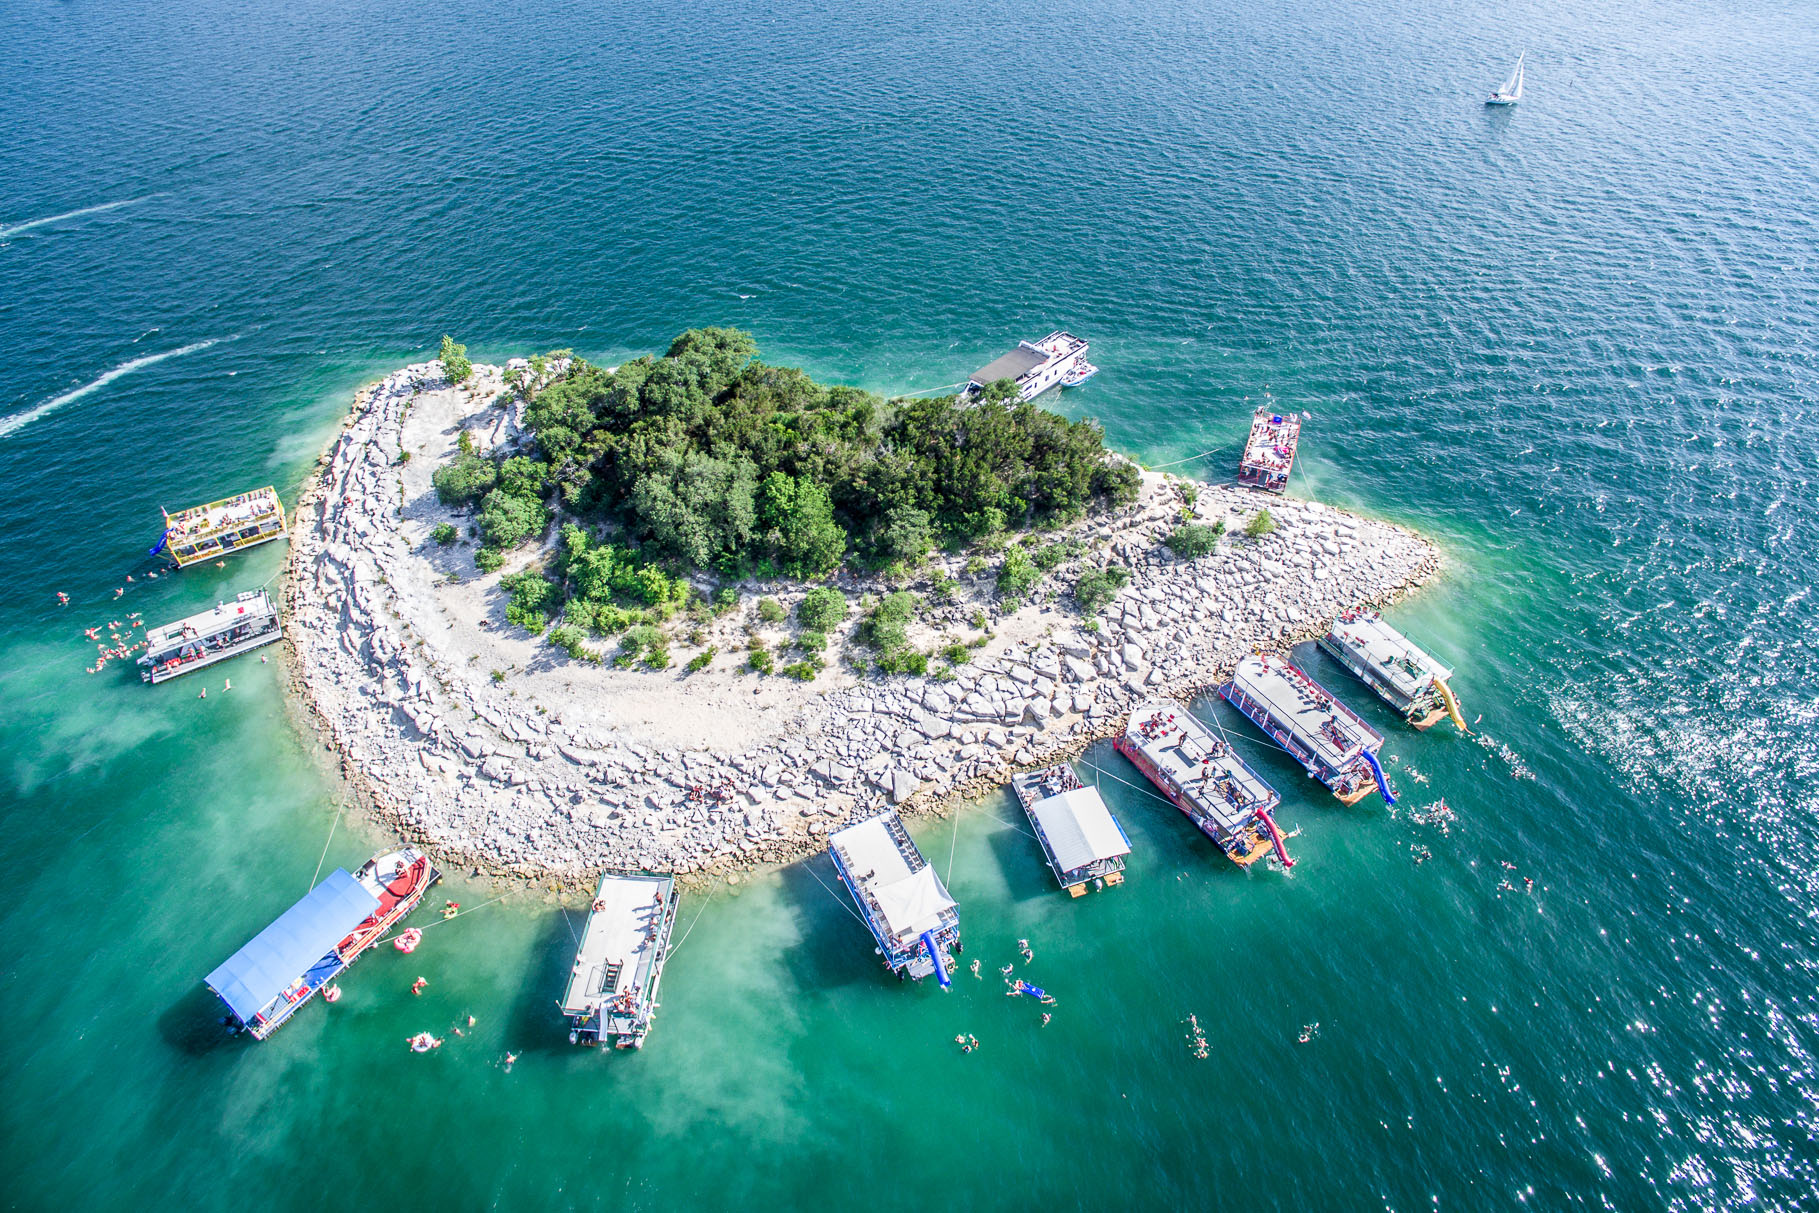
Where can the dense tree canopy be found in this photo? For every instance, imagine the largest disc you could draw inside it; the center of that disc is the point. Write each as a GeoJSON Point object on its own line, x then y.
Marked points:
{"type": "Point", "coordinates": [724, 462]}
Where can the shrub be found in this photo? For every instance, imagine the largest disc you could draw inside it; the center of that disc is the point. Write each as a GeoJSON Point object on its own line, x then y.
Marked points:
{"type": "Point", "coordinates": [725, 599]}
{"type": "Point", "coordinates": [941, 587]}
{"type": "Point", "coordinates": [903, 661]}
{"type": "Point", "coordinates": [1017, 574]}
{"type": "Point", "coordinates": [821, 609]}
{"type": "Point", "coordinates": [956, 653]}
{"type": "Point", "coordinates": [975, 566]}
{"type": "Point", "coordinates": [887, 627]}
{"type": "Point", "coordinates": [464, 479]}
{"type": "Point", "coordinates": [771, 611]}
{"type": "Point", "coordinates": [700, 661]}
{"type": "Point", "coordinates": [1260, 526]}
{"type": "Point", "coordinates": [455, 365]}
{"type": "Point", "coordinates": [803, 671]}
{"type": "Point", "coordinates": [1049, 555]}
{"type": "Point", "coordinates": [761, 660]}
{"type": "Point", "coordinates": [657, 655]}
{"type": "Point", "coordinates": [444, 534]}
{"type": "Point", "coordinates": [1192, 539]}
{"type": "Point", "coordinates": [572, 640]}
{"type": "Point", "coordinates": [533, 599]}
{"type": "Point", "coordinates": [811, 641]}
{"type": "Point", "coordinates": [1190, 495]}
{"type": "Point", "coordinates": [489, 560]}
{"type": "Point", "coordinates": [1096, 588]}
{"type": "Point", "coordinates": [507, 520]}
{"type": "Point", "coordinates": [498, 675]}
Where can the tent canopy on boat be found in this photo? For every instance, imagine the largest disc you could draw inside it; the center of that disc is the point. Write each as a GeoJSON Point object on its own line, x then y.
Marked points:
{"type": "Point", "coordinates": [915, 903]}
{"type": "Point", "coordinates": [1079, 828]}
{"type": "Point", "coordinates": [276, 957]}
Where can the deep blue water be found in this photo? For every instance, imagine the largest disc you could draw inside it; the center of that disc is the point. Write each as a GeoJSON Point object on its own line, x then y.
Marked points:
{"type": "Point", "coordinates": [1575, 341]}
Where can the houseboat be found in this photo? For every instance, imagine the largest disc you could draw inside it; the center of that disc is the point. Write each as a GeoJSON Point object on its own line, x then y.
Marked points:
{"type": "Point", "coordinates": [612, 988]}
{"type": "Point", "coordinates": [1301, 716]}
{"type": "Point", "coordinates": [285, 965]}
{"type": "Point", "coordinates": [1084, 843]}
{"type": "Point", "coordinates": [206, 532]}
{"type": "Point", "coordinates": [230, 628]}
{"type": "Point", "coordinates": [1403, 674]}
{"type": "Point", "coordinates": [1036, 366]}
{"type": "Point", "coordinates": [1200, 775]}
{"type": "Point", "coordinates": [901, 900]}
{"type": "Point", "coordinates": [1269, 452]}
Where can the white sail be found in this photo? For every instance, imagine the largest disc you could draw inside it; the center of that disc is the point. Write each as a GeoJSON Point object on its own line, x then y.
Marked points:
{"type": "Point", "coordinates": [1511, 89]}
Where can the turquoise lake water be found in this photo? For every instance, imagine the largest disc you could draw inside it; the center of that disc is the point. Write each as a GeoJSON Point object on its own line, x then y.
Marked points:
{"type": "Point", "coordinates": [1575, 341]}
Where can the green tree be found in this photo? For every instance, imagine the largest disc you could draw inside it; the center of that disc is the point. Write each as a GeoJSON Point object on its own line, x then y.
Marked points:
{"type": "Point", "coordinates": [507, 520]}
{"type": "Point", "coordinates": [455, 366]}
{"type": "Point", "coordinates": [1097, 587]}
{"type": "Point", "coordinates": [821, 609]}
{"type": "Point", "coordinates": [1260, 526]}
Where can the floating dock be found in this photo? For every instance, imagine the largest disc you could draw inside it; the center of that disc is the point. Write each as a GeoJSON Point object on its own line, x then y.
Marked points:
{"type": "Point", "coordinates": [310, 944]}
{"type": "Point", "coordinates": [1269, 452]}
{"type": "Point", "coordinates": [612, 988]}
{"type": "Point", "coordinates": [1324, 735]}
{"type": "Point", "coordinates": [231, 628]}
{"type": "Point", "coordinates": [1084, 843]}
{"type": "Point", "coordinates": [1201, 776]}
{"type": "Point", "coordinates": [902, 901]}
{"type": "Point", "coordinates": [1036, 366]}
{"type": "Point", "coordinates": [1406, 676]}
{"type": "Point", "coordinates": [233, 524]}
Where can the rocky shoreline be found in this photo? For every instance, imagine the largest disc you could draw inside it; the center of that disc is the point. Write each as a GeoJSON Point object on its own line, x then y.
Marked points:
{"type": "Point", "coordinates": [544, 771]}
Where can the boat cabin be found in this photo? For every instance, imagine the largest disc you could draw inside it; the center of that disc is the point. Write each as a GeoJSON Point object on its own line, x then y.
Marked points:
{"type": "Point", "coordinates": [230, 628]}
{"type": "Point", "coordinates": [1403, 674]}
{"type": "Point", "coordinates": [1035, 366]}
{"type": "Point", "coordinates": [1328, 738]}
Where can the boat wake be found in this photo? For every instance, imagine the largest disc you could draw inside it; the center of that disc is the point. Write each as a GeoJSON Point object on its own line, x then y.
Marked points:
{"type": "Point", "coordinates": [6, 233]}
{"type": "Point", "coordinates": [17, 420]}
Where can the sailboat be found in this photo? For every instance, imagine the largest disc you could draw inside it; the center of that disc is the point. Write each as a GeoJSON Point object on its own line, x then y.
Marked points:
{"type": "Point", "coordinates": [1510, 91]}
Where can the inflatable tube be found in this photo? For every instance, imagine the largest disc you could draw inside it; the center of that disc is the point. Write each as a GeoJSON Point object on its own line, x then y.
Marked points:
{"type": "Point", "coordinates": [934, 954]}
{"type": "Point", "coordinates": [1276, 839]}
{"type": "Point", "coordinates": [1452, 705]}
{"type": "Point", "coordinates": [1383, 784]}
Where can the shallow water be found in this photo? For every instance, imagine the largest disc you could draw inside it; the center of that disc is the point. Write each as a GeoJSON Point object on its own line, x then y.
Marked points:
{"type": "Point", "coordinates": [1574, 341]}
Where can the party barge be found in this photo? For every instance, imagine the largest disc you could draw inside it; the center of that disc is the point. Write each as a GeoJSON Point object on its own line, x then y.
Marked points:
{"type": "Point", "coordinates": [247, 622]}
{"type": "Point", "coordinates": [1324, 735]}
{"type": "Point", "coordinates": [1403, 674]}
{"type": "Point", "coordinates": [1269, 452]}
{"type": "Point", "coordinates": [232, 524]}
{"type": "Point", "coordinates": [902, 901]}
{"type": "Point", "coordinates": [612, 988]}
{"type": "Point", "coordinates": [1201, 776]}
{"type": "Point", "coordinates": [1084, 843]}
{"type": "Point", "coordinates": [309, 945]}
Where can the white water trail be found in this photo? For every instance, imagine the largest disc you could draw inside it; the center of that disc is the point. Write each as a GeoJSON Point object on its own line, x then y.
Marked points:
{"type": "Point", "coordinates": [9, 424]}
{"type": "Point", "coordinates": [29, 224]}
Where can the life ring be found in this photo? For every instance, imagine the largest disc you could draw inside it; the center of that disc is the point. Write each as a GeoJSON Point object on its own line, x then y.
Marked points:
{"type": "Point", "coordinates": [331, 993]}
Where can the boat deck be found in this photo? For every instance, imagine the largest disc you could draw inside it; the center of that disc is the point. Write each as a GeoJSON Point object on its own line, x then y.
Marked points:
{"type": "Point", "coordinates": [621, 947]}
{"type": "Point", "coordinates": [1199, 764]}
{"type": "Point", "coordinates": [1269, 450]}
{"type": "Point", "coordinates": [1408, 669]}
{"type": "Point", "coordinates": [228, 525]}
{"type": "Point", "coordinates": [1318, 725]}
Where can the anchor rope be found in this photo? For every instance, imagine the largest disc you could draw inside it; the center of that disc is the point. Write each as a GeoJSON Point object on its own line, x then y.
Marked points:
{"type": "Point", "coordinates": [691, 925]}
{"type": "Point", "coordinates": [323, 858]}
{"type": "Point", "coordinates": [838, 900]}
{"type": "Point", "coordinates": [465, 913]}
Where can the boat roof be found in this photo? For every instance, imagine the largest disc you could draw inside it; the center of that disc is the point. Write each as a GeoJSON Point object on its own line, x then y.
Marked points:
{"type": "Point", "coordinates": [276, 957]}
{"type": "Point", "coordinates": [1186, 747]}
{"type": "Point", "coordinates": [259, 501]}
{"type": "Point", "coordinates": [1080, 828]}
{"type": "Point", "coordinates": [1302, 705]}
{"type": "Point", "coordinates": [1014, 365]}
{"type": "Point", "coordinates": [219, 618]}
{"type": "Point", "coordinates": [617, 945]}
{"type": "Point", "coordinates": [911, 897]}
{"type": "Point", "coordinates": [1401, 662]}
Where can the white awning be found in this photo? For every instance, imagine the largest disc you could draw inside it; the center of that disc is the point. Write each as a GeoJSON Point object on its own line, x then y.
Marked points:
{"type": "Point", "coordinates": [1080, 828]}
{"type": "Point", "coordinates": [914, 904]}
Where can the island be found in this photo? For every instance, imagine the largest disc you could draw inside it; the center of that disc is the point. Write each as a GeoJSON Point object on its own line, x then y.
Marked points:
{"type": "Point", "coordinates": [692, 613]}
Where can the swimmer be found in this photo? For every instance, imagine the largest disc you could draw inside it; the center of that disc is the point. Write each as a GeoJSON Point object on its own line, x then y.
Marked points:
{"type": "Point", "coordinates": [418, 985]}
{"type": "Point", "coordinates": [1045, 1018]}
{"type": "Point", "coordinates": [62, 598]}
{"type": "Point", "coordinates": [263, 659]}
{"type": "Point", "coordinates": [120, 592]}
{"type": "Point", "coordinates": [229, 686]}
{"type": "Point", "coordinates": [975, 968]}
{"type": "Point", "coordinates": [509, 1059]}
{"type": "Point", "coordinates": [204, 694]}
{"type": "Point", "coordinates": [1008, 969]}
